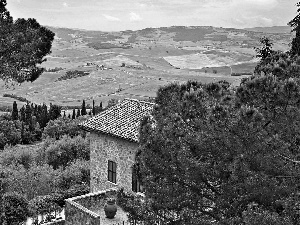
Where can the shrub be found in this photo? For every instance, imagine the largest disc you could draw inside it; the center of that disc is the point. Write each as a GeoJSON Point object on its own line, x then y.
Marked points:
{"type": "Point", "coordinates": [63, 126]}
{"type": "Point", "coordinates": [63, 152]}
{"type": "Point", "coordinates": [13, 155]}
{"type": "Point", "coordinates": [77, 173]}
{"type": "Point", "coordinates": [55, 201]}
{"type": "Point", "coordinates": [32, 182]}
{"type": "Point", "coordinates": [10, 132]}
{"type": "Point", "coordinates": [15, 208]}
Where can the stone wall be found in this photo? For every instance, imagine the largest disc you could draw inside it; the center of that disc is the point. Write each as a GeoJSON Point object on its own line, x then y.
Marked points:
{"type": "Point", "coordinates": [105, 147]}
{"type": "Point", "coordinates": [76, 214]}
{"type": "Point", "coordinates": [85, 209]}
{"type": "Point", "coordinates": [95, 201]}
{"type": "Point", "coordinates": [58, 222]}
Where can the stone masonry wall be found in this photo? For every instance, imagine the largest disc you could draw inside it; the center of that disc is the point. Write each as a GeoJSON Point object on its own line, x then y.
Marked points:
{"type": "Point", "coordinates": [59, 222]}
{"type": "Point", "coordinates": [76, 214]}
{"type": "Point", "coordinates": [105, 147]}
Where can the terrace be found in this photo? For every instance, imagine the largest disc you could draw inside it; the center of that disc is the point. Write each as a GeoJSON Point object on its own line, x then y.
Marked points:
{"type": "Point", "coordinates": [89, 209]}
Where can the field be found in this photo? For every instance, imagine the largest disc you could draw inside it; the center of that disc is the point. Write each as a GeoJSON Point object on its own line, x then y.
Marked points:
{"type": "Point", "coordinates": [134, 64]}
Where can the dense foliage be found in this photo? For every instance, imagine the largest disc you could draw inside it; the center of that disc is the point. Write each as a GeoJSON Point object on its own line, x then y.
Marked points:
{"type": "Point", "coordinates": [26, 125]}
{"type": "Point", "coordinates": [62, 152]}
{"type": "Point", "coordinates": [14, 209]}
{"type": "Point", "coordinates": [24, 43]}
{"type": "Point", "coordinates": [209, 152]}
{"type": "Point", "coordinates": [46, 173]}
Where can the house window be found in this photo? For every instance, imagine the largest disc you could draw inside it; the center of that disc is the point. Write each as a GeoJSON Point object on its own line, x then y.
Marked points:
{"type": "Point", "coordinates": [136, 183]}
{"type": "Point", "coordinates": [112, 171]}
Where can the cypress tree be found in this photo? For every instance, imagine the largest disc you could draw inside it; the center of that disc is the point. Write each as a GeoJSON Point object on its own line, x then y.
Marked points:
{"type": "Point", "coordinates": [94, 111]}
{"type": "Point", "coordinates": [22, 132]}
{"type": "Point", "coordinates": [73, 114]}
{"type": "Point", "coordinates": [45, 116]}
{"type": "Point", "coordinates": [51, 113]}
{"type": "Point", "coordinates": [90, 112]}
{"type": "Point", "coordinates": [69, 116]}
{"type": "Point", "coordinates": [39, 114]}
{"type": "Point", "coordinates": [54, 112]}
{"type": "Point", "coordinates": [64, 114]}
{"type": "Point", "coordinates": [35, 110]}
{"type": "Point", "coordinates": [101, 108]}
{"type": "Point", "coordinates": [32, 107]}
{"type": "Point", "coordinates": [28, 116]}
{"type": "Point", "coordinates": [78, 113]}
{"type": "Point", "coordinates": [83, 108]}
{"type": "Point", "coordinates": [15, 114]}
{"type": "Point", "coordinates": [22, 114]}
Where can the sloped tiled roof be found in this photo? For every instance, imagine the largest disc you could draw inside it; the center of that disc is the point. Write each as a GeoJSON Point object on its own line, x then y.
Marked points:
{"type": "Point", "coordinates": [121, 120]}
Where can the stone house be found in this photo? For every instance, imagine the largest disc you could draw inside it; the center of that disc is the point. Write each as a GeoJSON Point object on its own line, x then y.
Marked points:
{"type": "Point", "coordinates": [114, 142]}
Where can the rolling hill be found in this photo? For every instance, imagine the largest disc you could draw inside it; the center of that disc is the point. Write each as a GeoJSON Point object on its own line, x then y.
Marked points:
{"type": "Point", "coordinates": [135, 64]}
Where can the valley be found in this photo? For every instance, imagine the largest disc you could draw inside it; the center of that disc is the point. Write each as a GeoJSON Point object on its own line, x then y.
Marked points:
{"type": "Point", "coordinates": [134, 64]}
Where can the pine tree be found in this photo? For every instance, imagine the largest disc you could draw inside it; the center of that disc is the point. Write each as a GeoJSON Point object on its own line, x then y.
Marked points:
{"type": "Point", "coordinates": [90, 112]}
{"type": "Point", "coordinates": [24, 44]}
{"type": "Point", "coordinates": [83, 109]}
{"type": "Point", "coordinates": [266, 49]}
{"type": "Point", "coordinates": [295, 24]}
{"type": "Point", "coordinates": [64, 115]}
{"type": "Point", "coordinates": [73, 115]}
{"type": "Point", "coordinates": [69, 116]}
{"type": "Point", "coordinates": [15, 114]}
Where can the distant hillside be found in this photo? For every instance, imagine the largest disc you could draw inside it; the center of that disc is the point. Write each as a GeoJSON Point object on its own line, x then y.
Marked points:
{"type": "Point", "coordinates": [134, 64]}
{"type": "Point", "coordinates": [271, 30]}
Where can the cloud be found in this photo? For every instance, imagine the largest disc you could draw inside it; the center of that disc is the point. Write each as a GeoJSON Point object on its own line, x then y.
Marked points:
{"type": "Point", "coordinates": [134, 17]}
{"type": "Point", "coordinates": [261, 2]}
{"type": "Point", "coordinates": [65, 4]}
{"type": "Point", "coordinates": [111, 18]}
{"type": "Point", "coordinates": [256, 21]}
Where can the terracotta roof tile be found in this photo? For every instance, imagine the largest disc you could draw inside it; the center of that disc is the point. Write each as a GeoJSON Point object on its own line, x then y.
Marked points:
{"type": "Point", "coordinates": [121, 120]}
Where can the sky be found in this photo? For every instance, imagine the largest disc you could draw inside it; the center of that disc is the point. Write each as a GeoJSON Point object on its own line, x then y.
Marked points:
{"type": "Point", "coordinates": [117, 15]}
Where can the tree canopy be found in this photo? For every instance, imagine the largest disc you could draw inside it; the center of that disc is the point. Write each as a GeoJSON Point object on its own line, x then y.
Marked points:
{"type": "Point", "coordinates": [23, 45]}
{"type": "Point", "coordinates": [209, 152]}
{"type": "Point", "coordinates": [295, 24]}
